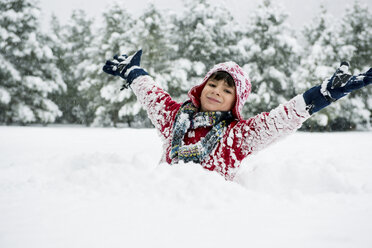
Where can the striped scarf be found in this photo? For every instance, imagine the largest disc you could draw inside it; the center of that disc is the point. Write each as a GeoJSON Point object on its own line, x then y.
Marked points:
{"type": "Point", "coordinates": [187, 118]}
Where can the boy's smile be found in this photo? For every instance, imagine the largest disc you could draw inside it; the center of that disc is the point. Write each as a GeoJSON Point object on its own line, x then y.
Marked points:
{"type": "Point", "coordinates": [217, 96]}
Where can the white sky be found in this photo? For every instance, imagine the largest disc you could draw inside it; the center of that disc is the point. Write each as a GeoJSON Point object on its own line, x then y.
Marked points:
{"type": "Point", "coordinates": [300, 11]}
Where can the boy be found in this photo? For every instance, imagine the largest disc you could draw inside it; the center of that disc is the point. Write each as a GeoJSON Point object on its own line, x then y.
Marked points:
{"type": "Point", "coordinates": [208, 128]}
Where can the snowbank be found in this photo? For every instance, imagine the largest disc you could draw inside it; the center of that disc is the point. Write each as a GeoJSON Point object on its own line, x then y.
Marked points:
{"type": "Point", "coordinates": [81, 187]}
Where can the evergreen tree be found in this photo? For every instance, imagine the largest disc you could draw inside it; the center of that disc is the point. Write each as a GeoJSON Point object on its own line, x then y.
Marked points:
{"type": "Point", "coordinates": [102, 92]}
{"type": "Point", "coordinates": [28, 74]}
{"type": "Point", "coordinates": [205, 34]}
{"type": "Point", "coordinates": [357, 32]}
{"type": "Point", "coordinates": [70, 43]}
{"type": "Point", "coordinates": [325, 49]}
{"type": "Point", "coordinates": [270, 53]}
{"type": "Point", "coordinates": [153, 35]}
{"type": "Point", "coordinates": [321, 54]}
{"type": "Point", "coordinates": [356, 27]}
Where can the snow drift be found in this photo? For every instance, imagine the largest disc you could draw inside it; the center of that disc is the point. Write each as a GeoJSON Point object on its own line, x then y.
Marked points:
{"type": "Point", "coordinates": [91, 187]}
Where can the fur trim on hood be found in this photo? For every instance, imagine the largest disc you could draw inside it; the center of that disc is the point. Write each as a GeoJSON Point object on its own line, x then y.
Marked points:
{"type": "Point", "coordinates": [242, 86]}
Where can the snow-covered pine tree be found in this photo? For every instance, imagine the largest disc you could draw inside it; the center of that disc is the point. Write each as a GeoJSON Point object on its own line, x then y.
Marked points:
{"type": "Point", "coordinates": [270, 52]}
{"type": "Point", "coordinates": [70, 43]}
{"type": "Point", "coordinates": [152, 34]}
{"type": "Point", "coordinates": [205, 34]}
{"type": "Point", "coordinates": [28, 74]}
{"type": "Point", "coordinates": [324, 49]}
{"type": "Point", "coordinates": [357, 31]}
{"type": "Point", "coordinates": [100, 90]}
{"type": "Point", "coordinates": [318, 56]}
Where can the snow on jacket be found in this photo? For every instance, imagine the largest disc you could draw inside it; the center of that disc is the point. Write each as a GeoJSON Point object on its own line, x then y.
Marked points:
{"type": "Point", "coordinates": [241, 137]}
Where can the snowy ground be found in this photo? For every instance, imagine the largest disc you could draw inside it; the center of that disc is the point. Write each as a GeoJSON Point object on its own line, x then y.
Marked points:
{"type": "Point", "coordinates": [88, 187]}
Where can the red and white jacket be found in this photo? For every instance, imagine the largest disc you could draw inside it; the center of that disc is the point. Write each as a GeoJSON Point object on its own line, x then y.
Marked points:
{"type": "Point", "coordinates": [241, 138]}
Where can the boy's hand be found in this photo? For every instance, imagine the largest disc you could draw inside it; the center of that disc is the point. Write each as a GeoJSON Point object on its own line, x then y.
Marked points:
{"type": "Point", "coordinates": [339, 85]}
{"type": "Point", "coordinates": [112, 66]}
{"type": "Point", "coordinates": [342, 82]}
{"type": "Point", "coordinates": [125, 67]}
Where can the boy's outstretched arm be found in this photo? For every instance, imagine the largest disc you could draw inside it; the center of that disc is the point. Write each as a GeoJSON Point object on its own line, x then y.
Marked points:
{"type": "Point", "coordinates": [261, 130]}
{"type": "Point", "coordinates": [161, 109]}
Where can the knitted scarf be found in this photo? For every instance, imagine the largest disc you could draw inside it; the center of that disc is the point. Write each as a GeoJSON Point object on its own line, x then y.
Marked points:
{"type": "Point", "coordinates": [187, 118]}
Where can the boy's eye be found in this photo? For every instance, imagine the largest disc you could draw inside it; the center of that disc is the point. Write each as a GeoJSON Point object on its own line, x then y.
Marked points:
{"type": "Point", "coordinates": [228, 91]}
{"type": "Point", "coordinates": [212, 85]}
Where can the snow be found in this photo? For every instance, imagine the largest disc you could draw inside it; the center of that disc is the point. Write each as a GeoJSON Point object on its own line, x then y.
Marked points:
{"type": "Point", "coordinates": [38, 84]}
{"type": "Point", "coordinates": [322, 119]}
{"type": "Point", "coordinates": [8, 68]}
{"type": "Point", "coordinates": [24, 113]}
{"type": "Point", "coordinates": [95, 187]}
{"type": "Point", "coordinates": [50, 113]}
{"type": "Point", "coordinates": [4, 96]}
{"type": "Point", "coordinates": [199, 68]}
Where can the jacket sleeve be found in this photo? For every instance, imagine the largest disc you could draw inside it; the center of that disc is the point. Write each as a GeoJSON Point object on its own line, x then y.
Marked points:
{"type": "Point", "coordinates": [263, 129]}
{"type": "Point", "coordinates": [160, 107]}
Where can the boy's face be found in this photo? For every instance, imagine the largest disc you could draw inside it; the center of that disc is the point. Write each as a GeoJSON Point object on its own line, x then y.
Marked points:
{"type": "Point", "coordinates": [217, 96]}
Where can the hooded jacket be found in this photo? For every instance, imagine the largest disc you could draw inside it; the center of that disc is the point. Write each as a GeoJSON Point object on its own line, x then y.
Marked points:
{"type": "Point", "coordinates": [241, 137]}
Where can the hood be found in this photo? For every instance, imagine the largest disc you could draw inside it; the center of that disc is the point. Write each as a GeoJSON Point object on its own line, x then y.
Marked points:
{"type": "Point", "coordinates": [242, 86]}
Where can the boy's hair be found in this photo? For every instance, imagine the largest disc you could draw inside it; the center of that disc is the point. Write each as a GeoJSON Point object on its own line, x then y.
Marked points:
{"type": "Point", "coordinates": [222, 75]}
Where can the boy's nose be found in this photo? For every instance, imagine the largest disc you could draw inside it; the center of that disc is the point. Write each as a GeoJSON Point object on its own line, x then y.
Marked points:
{"type": "Point", "coordinates": [217, 90]}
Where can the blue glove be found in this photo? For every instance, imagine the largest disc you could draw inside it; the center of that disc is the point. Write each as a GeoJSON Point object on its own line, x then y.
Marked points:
{"type": "Point", "coordinates": [125, 67]}
{"type": "Point", "coordinates": [338, 86]}
{"type": "Point", "coordinates": [342, 83]}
